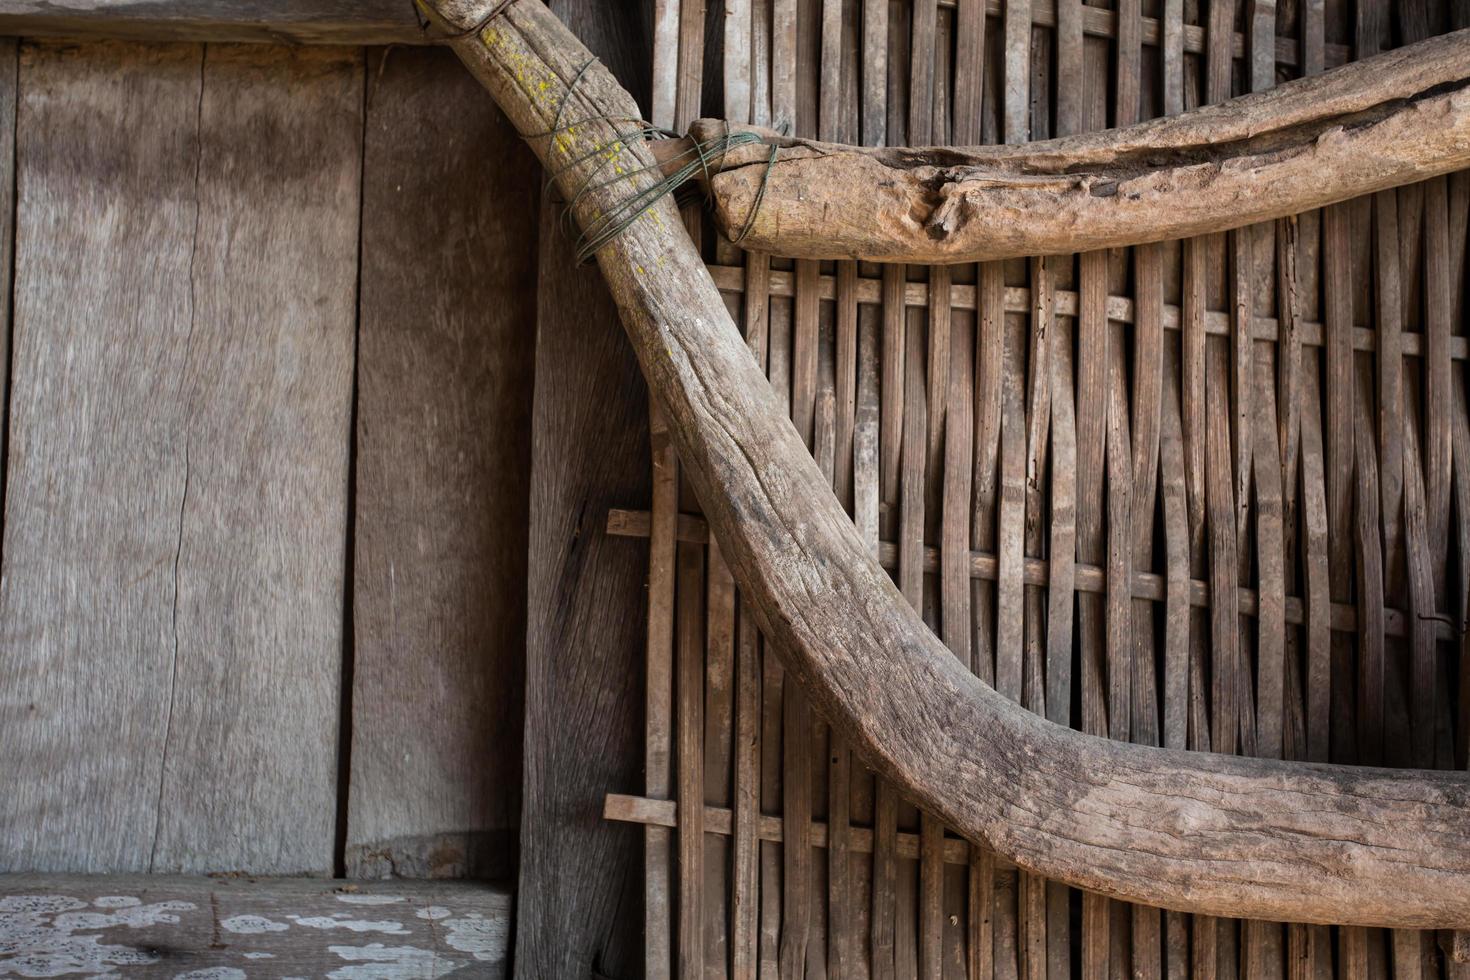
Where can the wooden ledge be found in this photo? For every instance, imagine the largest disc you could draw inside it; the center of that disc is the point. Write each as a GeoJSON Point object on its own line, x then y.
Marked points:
{"type": "Point", "coordinates": [278, 21]}
{"type": "Point", "coordinates": [393, 22]}
{"type": "Point", "coordinates": [236, 927]}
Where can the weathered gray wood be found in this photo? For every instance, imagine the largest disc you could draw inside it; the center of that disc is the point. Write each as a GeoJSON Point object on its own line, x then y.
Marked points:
{"type": "Point", "coordinates": [264, 425]}
{"type": "Point", "coordinates": [9, 53]}
{"type": "Point", "coordinates": [1218, 835]}
{"type": "Point", "coordinates": [172, 599]}
{"type": "Point", "coordinates": [72, 717]}
{"type": "Point", "coordinates": [1395, 119]}
{"type": "Point", "coordinates": [442, 475]}
{"type": "Point", "coordinates": [353, 22]}
{"type": "Point", "coordinates": [580, 897]}
{"type": "Point", "coordinates": [148, 926]}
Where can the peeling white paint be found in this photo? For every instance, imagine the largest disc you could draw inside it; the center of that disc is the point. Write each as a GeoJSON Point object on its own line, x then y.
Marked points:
{"type": "Point", "coordinates": [351, 899]}
{"type": "Point", "coordinates": [213, 973]}
{"type": "Point", "coordinates": [132, 916]}
{"type": "Point", "coordinates": [116, 901]}
{"type": "Point", "coordinates": [39, 934]}
{"type": "Point", "coordinates": [251, 925]}
{"type": "Point", "coordinates": [260, 956]}
{"type": "Point", "coordinates": [484, 938]}
{"type": "Point", "coordinates": [40, 904]}
{"type": "Point", "coordinates": [378, 962]}
{"type": "Point", "coordinates": [388, 927]}
{"type": "Point", "coordinates": [433, 913]}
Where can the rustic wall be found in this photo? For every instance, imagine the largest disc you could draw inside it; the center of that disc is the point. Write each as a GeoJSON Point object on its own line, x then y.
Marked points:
{"type": "Point", "coordinates": [266, 462]}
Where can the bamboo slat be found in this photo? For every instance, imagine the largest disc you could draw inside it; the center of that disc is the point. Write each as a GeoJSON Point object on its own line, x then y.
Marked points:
{"type": "Point", "coordinates": [1198, 495]}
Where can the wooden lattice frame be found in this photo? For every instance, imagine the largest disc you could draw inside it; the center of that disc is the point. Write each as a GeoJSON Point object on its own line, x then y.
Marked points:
{"type": "Point", "coordinates": [1214, 835]}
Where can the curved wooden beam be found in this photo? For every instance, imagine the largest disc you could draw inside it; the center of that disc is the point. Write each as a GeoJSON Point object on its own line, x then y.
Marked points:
{"type": "Point", "coordinates": [1213, 834]}
{"type": "Point", "coordinates": [1385, 121]}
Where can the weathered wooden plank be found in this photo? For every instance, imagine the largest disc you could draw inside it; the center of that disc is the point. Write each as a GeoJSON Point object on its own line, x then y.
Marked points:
{"type": "Point", "coordinates": [1338, 458]}
{"type": "Point", "coordinates": [1220, 501]}
{"type": "Point", "coordinates": [658, 693]}
{"type": "Point", "coordinates": [720, 639]}
{"type": "Point", "coordinates": [665, 62]}
{"type": "Point", "coordinates": [585, 631]}
{"type": "Point", "coordinates": [875, 73]}
{"type": "Point", "coordinates": [264, 504]}
{"type": "Point", "coordinates": [1148, 383]}
{"type": "Point", "coordinates": [1120, 549]}
{"type": "Point", "coordinates": [989, 367]}
{"type": "Point", "coordinates": [54, 687]}
{"type": "Point", "coordinates": [1270, 558]}
{"type": "Point", "coordinates": [1176, 562]}
{"type": "Point", "coordinates": [969, 71]}
{"type": "Point", "coordinates": [1017, 71]}
{"type": "Point", "coordinates": [1172, 45]}
{"type": "Point", "coordinates": [1010, 587]}
{"type": "Point", "coordinates": [1061, 601]}
{"type": "Point", "coordinates": [689, 691]}
{"type": "Point", "coordinates": [9, 53]}
{"type": "Point", "coordinates": [691, 61]}
{"type": "Point", "coordinates": [1318, 666]}
{"type": "Point", "coordinates": [805, 339]}
{"type": "Point", "coordinates": [745, 870]}
{"type": "Point", "coordinates": [579, 900]}
{"type": "Point", "coordinates": [442, 477]}
{"type": "Point", "coordinates": [183, 483]}
{"type": "Point", "coordinates": [1092, 415]}
{"type": "Point", "coordinates": [232, 928]}
{"type": "Point", "coordinates": [350, 22]}
{"type": "Point", "coordinates": [925, 16]}
{"type": "Point", "coordinates": [1040, 366]}
{"type": "Point", "coordinates": [1440, 291]}
{"type": "Point", "coordinates": [1130, 50]}
{"type": "Point", "coordinates": [891, 412]}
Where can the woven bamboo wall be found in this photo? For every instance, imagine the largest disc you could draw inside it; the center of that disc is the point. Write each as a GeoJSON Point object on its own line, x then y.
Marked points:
{"type": "Point", "coordinates": [1210, 495]}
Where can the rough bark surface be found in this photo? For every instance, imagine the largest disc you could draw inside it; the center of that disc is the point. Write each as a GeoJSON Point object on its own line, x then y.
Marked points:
{"type": "Point", "coordinates": [1209, 834]}
{"type": "Point", "coordinates": [1382, 122]}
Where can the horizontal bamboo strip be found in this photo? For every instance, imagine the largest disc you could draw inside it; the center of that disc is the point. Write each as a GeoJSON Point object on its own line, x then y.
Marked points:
{"type": "Point", "coordinates": [730, 279]}
{"type": "Point", "coordinates": [1100, 22]}
{"type": "Point", "coordinates": [1089, 578]}
{"type": "Point", "coordinates": [717, 820]}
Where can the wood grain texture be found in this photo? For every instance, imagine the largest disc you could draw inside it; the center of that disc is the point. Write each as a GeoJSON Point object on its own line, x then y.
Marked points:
{"type": "Point", "coordinates": [259, 564]}
{"type": "Point", "coordinates": [1318, 140]}
{"type": "Point", "coordinates": [721, 428]}
{"type": "Point", "coordinates": [9, 76]}
{"type": "Point", "coordinates": [57, 684]}
{"type": "Point", "coordinates": [579, 899]}
{"type": "Point", "coordinates": [127, 926]}
{"type": "Point", "coordinates": [442, 477]}
{"type": "Point", "coordinates": [182, 482]}
{"type": "Point", "coordinates": [350, 22]}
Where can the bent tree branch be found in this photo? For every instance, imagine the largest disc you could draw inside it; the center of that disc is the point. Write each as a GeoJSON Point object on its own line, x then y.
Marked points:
{"type": "Point", "coordinates": [1200, 833]}
{"type": "Point", "coordinates": [1382, 122]}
